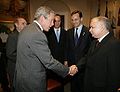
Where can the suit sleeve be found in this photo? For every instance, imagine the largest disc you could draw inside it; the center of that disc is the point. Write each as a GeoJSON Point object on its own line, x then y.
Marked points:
{"type": "Point", "coordinates": [11, 48]}
{"type": "Point", "coordinates": [39, 46]}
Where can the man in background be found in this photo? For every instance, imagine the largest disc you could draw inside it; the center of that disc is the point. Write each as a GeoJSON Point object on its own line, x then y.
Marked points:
{"type": "Point", "coordinates": [11, 47]}
{"type": "Point", "coordinates": [3, 75]}
{"type": "Point", "coordinates": [78, 42]}
{"type": "Point", "coordinates": [57, 43]}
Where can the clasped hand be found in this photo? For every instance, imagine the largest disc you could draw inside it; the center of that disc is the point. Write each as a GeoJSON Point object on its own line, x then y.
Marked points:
{"type": "Point", "coordinates": [73, 70]}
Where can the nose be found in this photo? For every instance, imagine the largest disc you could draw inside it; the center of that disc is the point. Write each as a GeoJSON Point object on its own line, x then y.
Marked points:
{"type": "Point", "coordinates": [73, 21]}
{"type": "Point", "coordinates": [90, 29]}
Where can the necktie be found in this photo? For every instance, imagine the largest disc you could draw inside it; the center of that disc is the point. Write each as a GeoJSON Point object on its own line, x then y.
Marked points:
{"type": "Point", "coordinates": [57, 35]}
{"type": "Point", "coordinates": [76, 36]}
{"type": "Point", "coordinates": [97, 43]}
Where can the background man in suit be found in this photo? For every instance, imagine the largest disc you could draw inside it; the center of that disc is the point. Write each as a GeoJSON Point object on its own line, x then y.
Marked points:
{"type": "Point", "coordinates": [3, 75]}
{"type": "Point", "coordinates": [11, 47]}
{"type": "Point", "coordinates": [34, 56]}
{"type": "Point", "coordinates": [57, 44]}
{"type": "Point", "coordinates": [78, 45]}
{"type": "Point", "coordinates": [102, 61]}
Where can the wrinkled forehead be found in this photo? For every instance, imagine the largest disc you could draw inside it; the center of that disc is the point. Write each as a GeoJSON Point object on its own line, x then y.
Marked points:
{"type": "Point", "coordinates": [95, 21]}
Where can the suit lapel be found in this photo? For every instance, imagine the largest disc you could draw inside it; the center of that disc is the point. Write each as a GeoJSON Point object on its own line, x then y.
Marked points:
{"type": "Point", "coordinates": [92, 48]}
{"type": "Point", "coordinates": [60, 37]}
{"type": "Point", "coordinates": [55, 37]}
{"type": "Point", "coordinates": [101, 44]}
{"type": "Point", "coordinates": [37, 26]}
{"type": "Point", "coordinates": [72, 36]}
{"type": "Point", "coordinates": [82, 34]}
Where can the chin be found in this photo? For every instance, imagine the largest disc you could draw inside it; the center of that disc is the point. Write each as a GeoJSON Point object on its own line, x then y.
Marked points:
{"type": "Point", "coordinates": [47, 30]}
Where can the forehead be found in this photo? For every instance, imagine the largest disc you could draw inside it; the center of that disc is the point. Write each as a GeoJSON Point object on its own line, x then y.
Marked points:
{"type": "Point", "coordinates": [57, 17]}
{"type": "Point", "coordinates": [94, 22]}
{"type": "Point", "coordinates": [76, 15]}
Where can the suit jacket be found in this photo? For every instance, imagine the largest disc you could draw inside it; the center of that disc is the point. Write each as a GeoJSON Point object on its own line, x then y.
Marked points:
{"type": "Point", "coordinates": [33, 58]}
{"type": "Point", "coordinates": [3, 74]}
{"type": "Point", "coordinates": [57, 48]}
{"type": "Point", "coordinates": [11, 52]}
{"type": "Point", "coordinates": [75, 53]}
{"type": "Point", "coordinates": [103, 65]}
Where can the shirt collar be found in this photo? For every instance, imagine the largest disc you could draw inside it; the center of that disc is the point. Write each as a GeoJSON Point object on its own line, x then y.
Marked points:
{"type": "Point", "coordinates": [38, 25]}
{"type": "Point", "coordinates": [80, 27]}
{"type": "Point", "coordinates": [79, 30]}
{"type": "Point", "coordinates": [57, 29]}
{"type": "Point", "coordinates": [100, 39]}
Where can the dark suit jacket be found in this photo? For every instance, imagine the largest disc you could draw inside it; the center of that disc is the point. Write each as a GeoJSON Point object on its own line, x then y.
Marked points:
{"type": "Point", "coordinates": [57, 48]}
{"type": "Point", "coordinates": [75, 53]}
{"type": "Point", "coordinates": [3, 74]}
{"type": "Point", "coordinates": [33, 58]}
{"type": "Point", "coordinates": [103, 65]}
{"type": "Point", "coordinates": [11, 52]}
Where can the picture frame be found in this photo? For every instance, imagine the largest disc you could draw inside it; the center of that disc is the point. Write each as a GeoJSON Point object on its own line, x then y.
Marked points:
{"type": "Point", "coordinates": [6, 26]}
{"type": "Point", "coordinates": [10, 9]}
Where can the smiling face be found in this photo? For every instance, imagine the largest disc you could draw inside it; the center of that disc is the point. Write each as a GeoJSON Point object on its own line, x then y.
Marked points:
{"type": "Point", "coordinates": [76, 20]}
{"type": "Point", "coordinates": [45, 17]}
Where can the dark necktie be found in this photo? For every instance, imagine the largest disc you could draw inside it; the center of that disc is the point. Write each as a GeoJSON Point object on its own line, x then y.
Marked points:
{"type": "Point", "coordinates": [97, 44]}
{"type": "Point", "coordinates": [76, 36]}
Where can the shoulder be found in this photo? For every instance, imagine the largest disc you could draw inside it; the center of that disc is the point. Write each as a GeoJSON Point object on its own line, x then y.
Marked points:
{"type": "Point", "coordinates": [115, 41]}
{"type": "Point", "coordinates": [70, 29]}
{"type": "Point", "coordinates": [31, 32]}
{"type": "Point", "coordinates": [114, 44]}
{"type": "Point", "coordinates": [86, 29]}
{"type": "Point", "coordinates": [14, 34]}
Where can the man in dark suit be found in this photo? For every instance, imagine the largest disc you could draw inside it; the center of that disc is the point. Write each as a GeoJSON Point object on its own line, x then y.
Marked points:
{"type": "Point", "coordinates": [78, 42]}
{"type": "Point", "coordinates": [103, 59]}
{"type": "Point", "coordinates": [34, 56]}
{"type": "Point", "coordinates": [57, 44]}
{"type": "Point", "coordinates": [11, 47]}
{"type": "Point", "coordinates": [3, 75]}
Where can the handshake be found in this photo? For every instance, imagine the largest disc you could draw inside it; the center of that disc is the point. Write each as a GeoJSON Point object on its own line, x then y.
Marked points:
{"type": "Point", "coordinates": [73, 70]}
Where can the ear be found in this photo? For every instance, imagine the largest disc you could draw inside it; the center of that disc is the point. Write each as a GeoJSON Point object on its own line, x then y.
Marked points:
{"type": "Point", "coordinates": [102, 25]}
{"type": "Point", "coordinates": [81, 19]}
{"type": "Point", "coordinates": [41, 18]}
{"type": "Point", "coordinates": [16, 24]}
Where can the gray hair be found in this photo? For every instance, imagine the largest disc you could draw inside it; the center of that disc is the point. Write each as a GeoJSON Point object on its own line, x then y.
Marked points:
{"type": "Point", "coordinates": [43, 11]}
{"type": "Point", "coordinates": [106, 22]}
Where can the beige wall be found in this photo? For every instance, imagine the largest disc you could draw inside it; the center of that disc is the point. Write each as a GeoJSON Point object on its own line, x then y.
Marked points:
{"type": "Point", "coordinates": [65, 7]}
